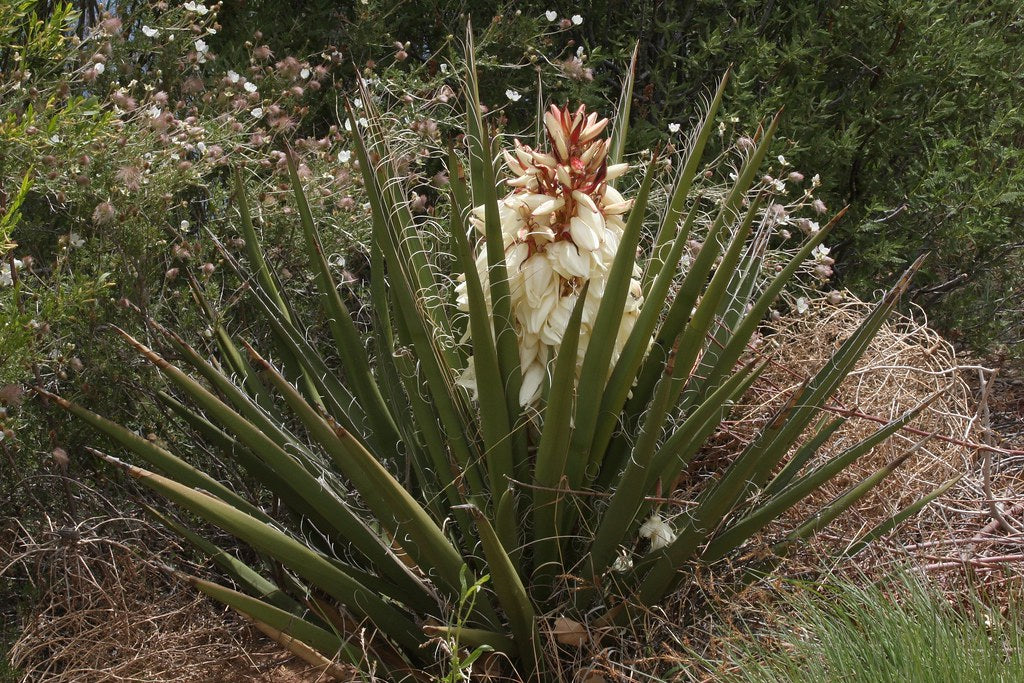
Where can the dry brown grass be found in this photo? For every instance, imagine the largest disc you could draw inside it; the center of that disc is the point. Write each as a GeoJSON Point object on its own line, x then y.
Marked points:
{"type": "Point", "coordinates": [108, 611]}
{"type": "Point", "coordinates": [904, 365]}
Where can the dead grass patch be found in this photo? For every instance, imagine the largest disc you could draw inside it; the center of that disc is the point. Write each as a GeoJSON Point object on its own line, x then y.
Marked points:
{"type": "Point", "coordinates": [107, 610]}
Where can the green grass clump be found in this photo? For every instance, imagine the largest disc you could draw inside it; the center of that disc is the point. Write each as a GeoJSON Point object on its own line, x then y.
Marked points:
{"type": "Point", "coordinates": [901, 630]}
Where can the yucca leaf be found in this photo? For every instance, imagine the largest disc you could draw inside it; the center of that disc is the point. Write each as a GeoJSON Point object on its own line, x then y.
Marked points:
{"type": "Point", "coordinates": [414, 331]}
{"type": "Point", "coordinates": [155, 456]}
{"type": "Point", "coordinates": [512, 595]}
{"type": "Point", "coordinates": [401, 221]}
{"type": "Point", "coordinates": [311, 566]}
{"type": "Point", "coordinates": [257, 261]}
{"type": "Point", "coordinates": [270, 284]}
{"type": "Point", "coordinates": [265, 589]}
{"type": "Point", "coordinates": [442, 402]}
{"type": "Point", "coordinates": [695, 280]}
{"type": "Point", "coordinates": [680, 192]}
{"type": "Point", "coordinates": [735, 304]}
{"type": "Point", "coordinates": [210, 433]}
{"type": "Point", "coordinates": [333, 395]}
{"type": "Point", "coordinates": [633, 352]}
{"type": "Point", "coordinates": [622, 514]}
{"type": "Point", "coordinates": [252, 465]}
{"type": "Point", "coordinates": [772, 508]}
{"type": "Point", "coordinates": [553, 450]}
{"type": "Point", "coordinates": [394, 230]}
{"type": "Point", "coordinates": [323, 641]}
{"type": "Point", "coordinates": [243, 403]}
{"type": "Point", "coordinates": [583, 463]}
{"type": "Point", "coordinates": [347, 339]}
{"type": "Point", "coordinates": [680, 446]}
{"type": "Point", "coordinates": [884, 527]}
{"type": "Point", "coordinates": [826, 428]}
{"type": "Point", "coordinates": [620, 126]}
{"type": "Point", "coordinates": [764, 453]}
{"type": "Point", "coordinates": [691, 341]}
{"type": "Point", "coordinates": [773, 443]}
{"type": "Point", "coordinates": [507, 525]}
{"type": "Point", "coordinates": [726, 357]}
{"type": "Point", "coordinates": [485, 194]}
{"type": "Point", "coordinates": [322, 665]}
{"type": "Point", "coordinates": [237, 366]}
{"type": "Point", "coordinates": [323, 503]}
{"type": "Point", "coordinates": [441, 473]}
{"type": "Point", "coordinates": [392, 505]}
{"type": "Point", "coordinates": [693, 284]}
{"type": "Point", "coordinates": [494, 414]}
{"type": "Point", "coordinates": [845, 501]}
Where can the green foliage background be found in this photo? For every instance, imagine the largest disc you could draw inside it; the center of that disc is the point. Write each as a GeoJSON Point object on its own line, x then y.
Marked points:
{"type": "Point", "coordinates": [909, 110]}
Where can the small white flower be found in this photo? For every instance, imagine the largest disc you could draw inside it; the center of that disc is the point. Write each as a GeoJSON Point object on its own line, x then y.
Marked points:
{"type": "Point", "coordinates": [197, 7]}
{"type": "Point", "coordinates": [802, 306]}
{"type": "Point", "coordinates": [660, 533]}
{"type": "Point", "coordinates": [357, 103]}
{"type": "Point", "coordinates": [184, 226]}
{"type": "Point", "coordinates": [577, 20]}
{"type": "Point", "coordinates": [820, 252]}
{"type": "Point", "coordinates": [304, 73]}
{"type": "Point", "coordinates": [201, 45]}
{"type": "Point", "coordinates": [623, 563]}
{"type": "Point", "coordinates": [154, 112]}
{"type": "Point", "coordinates": [344, 155]}
{"type": "Point", "coordinates": [201, 146]}
{"type": "Point", "coordinates": [233, 76]}
{"type": "Point", "coordinates": [551, 15]}
{"type": "Point", "coordinates": [362, 122]}
{"type": "Point", "coordinates": [257, 113]}
{"type": "Point", "coordinates": [674, 128]}
{"type": "Point", "coordinates": [250, 86]}
{"type": "Point", "coordinates": [782, 160]}
{"type": "Point", "coordinates": [512, 95]}
{"type": "Point", "coordinates": [779, 185]}
{"type": "Point", "coordinates": [55, 138]}
{"type": "Point", "coordinates": [75, 240]}
{"type": "Point", "coordinates": [99, 67]}
{"type": "Point", "coordinates": [171, 37]}
{"type": "Point", "coordinates": [150, 32]}
{"type": "Point", "coordinates": [444, 68]}
{"type": "Point", "coordinates": [816, 180]}
{"type": "Point", "coordinates": [6, 276]}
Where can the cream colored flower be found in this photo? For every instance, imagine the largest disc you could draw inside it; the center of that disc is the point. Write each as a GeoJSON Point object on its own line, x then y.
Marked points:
{"type": "Point", "coordinates": [658, 531]}
{"type": "Point", "coordinates": [561, 225]}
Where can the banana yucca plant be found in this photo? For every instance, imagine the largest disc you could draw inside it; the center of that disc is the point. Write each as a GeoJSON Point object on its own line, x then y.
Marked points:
{"type": "Point", "coordinates": [527, 465]}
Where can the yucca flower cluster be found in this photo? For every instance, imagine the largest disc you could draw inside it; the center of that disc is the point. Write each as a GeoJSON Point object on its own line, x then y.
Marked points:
{"type": "Point", "coordinates": [561, 224]}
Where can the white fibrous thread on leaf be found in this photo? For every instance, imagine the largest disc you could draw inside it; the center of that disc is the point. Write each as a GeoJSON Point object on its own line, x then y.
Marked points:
{"type": "Point", "coordinates": [561, 225]}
